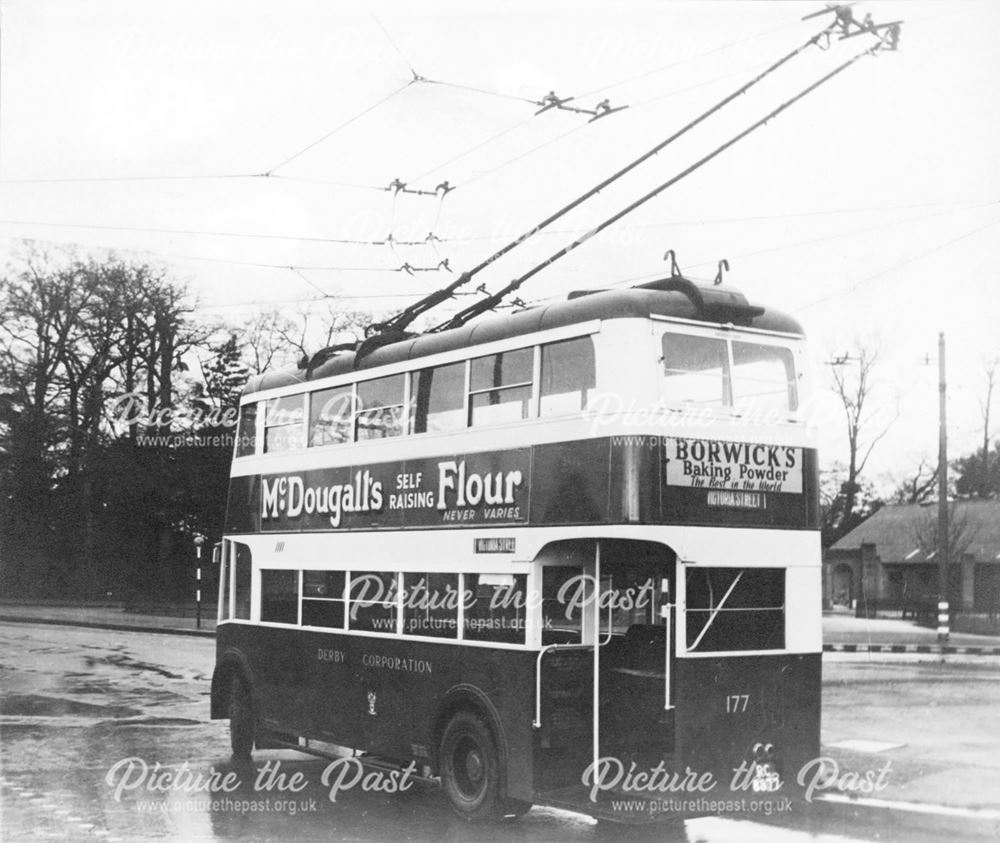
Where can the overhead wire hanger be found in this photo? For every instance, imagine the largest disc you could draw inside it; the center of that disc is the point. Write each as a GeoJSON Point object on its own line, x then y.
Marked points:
{"type": "Point", "coordinates": [398, 323]}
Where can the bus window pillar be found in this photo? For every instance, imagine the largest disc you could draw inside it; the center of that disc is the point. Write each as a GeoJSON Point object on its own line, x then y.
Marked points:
{"type": "Point", "coordinates": [666, 612]}
{"type": "Point", "coordinates": [595, 622]}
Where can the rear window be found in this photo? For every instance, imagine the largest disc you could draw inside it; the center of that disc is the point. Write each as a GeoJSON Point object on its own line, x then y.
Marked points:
{"type": "Point", "coordinates": [696, 370]}
{"type": "Point", "coordinates": [732, 609]}
{"type": "Point", "coordinates": [763, 377]}
{"type": "Point", "coordinates": [709, 371]}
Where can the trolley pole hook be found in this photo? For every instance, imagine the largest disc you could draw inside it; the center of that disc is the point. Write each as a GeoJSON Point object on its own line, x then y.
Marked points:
{"type": "Point", "coordinates": [675, 270]}
{"type": "Point", "coordinates": [723, 265]}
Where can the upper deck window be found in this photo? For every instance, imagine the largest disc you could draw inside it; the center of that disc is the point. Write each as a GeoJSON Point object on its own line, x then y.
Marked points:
{"type": "Point", "coordinates": [568, 379]}
{"type": "Point", "coordinates": [439, 398]}
{"type": "Point", "coordinates": [697, 370]}
{"type": "Point", "coordinates": [330, 414]}
{"type": "Point", "coordinates": [246, 432]}
{"type": "Point", "coordinates": [500, 387]}
{"type": "Point", "coordinates": [283, 424]}
{"type": "Point", "coordinates": [764, 377]}
{"type": "Point", "coordinates": [380, 409]}
{"type": "Point", "coordinates": [718, 372]}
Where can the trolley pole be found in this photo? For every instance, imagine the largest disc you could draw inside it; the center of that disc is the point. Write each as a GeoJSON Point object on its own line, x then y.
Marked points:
{"type": "Point", "coordinates": [942, 548]}
{"type": "Point", "coordinates": [199, 540]}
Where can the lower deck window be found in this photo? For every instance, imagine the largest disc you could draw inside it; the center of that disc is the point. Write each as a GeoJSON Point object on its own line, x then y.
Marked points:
{"type": "Point", "coordinates": [372, 601]}
{"type": "Point", "coordinates": [242, 577]}
{"type": "Point", "coordinates": [735, 609]}
{"type": "Point", "coordinates": [323, 599]}
{"type": "Point", "coordinates": [430, 605]}
{"type": "Point", "coordinates": [471, 607]}
{"type": "Point", "coordinates": [495, 607]}
{"type": "Point", "coordinates": [279, 596]}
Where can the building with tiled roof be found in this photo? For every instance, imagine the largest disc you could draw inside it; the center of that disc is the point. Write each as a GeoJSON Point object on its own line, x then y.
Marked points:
{"type": "Point", "coordinates": [889, 561]}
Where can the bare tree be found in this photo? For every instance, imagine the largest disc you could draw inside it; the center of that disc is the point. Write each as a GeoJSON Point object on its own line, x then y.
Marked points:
{"type": "Point", "coordinates": [962, 531]}
{"type": "Point", "coordinates": [273, 339]}
{"type": "Point", "coordinates": [75, 333]}
{"type": "Point", "coordinates": [854, 384]}
{"type": "Point", "coordinates": [264, 340]}
{"type": "Point", "coordinates": [978, 470]}
{"type": "Point", "coordinates": [991, 367]}
{"type": "Point", "coordinates": [919, 486]}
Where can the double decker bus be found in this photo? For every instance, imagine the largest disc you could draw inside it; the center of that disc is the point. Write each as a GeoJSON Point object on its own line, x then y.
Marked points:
{"type": "Point", "coordinates": [564, 556]}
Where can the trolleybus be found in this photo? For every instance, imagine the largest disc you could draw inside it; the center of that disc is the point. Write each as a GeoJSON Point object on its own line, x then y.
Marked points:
{"type": "Point", "coordinates": [564, 556]}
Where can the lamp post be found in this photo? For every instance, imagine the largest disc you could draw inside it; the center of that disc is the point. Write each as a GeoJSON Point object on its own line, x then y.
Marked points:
{"type": "Point", "coordinates": [199, 540]}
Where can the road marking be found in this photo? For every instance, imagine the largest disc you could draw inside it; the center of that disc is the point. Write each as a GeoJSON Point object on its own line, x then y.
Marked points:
{"type": "Point", "coordinates": [910, 649]}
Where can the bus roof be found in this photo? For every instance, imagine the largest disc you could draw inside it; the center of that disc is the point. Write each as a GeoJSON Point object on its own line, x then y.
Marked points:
{"type": "Point", "coordinates": [673, 297]}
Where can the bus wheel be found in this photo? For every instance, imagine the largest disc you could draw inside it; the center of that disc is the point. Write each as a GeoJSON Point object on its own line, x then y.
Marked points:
{"type": "Point", "coordinates": [241, 719]}
{"type": "Point", "coordinates": [470, 768]}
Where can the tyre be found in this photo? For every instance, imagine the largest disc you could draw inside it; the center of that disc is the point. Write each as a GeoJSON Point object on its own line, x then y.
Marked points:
{"type": "Point", "coordinates": [470, 768]}
{"type": "Point", "coordinates": [242, 725]}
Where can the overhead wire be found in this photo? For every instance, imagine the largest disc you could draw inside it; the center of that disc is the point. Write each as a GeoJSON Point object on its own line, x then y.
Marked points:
{"type": "Point", "coordinates": [90, 179]}
{"type": "Point", "coordinates": [272, 174]}
{"type": "Point", "coordinates": [196, 232]}
{"type": "Point", "coordinates": [495, 298]}
{"type": "Point", "coordinates": [310, 282]}
{"type": "Point", "coordinates": [474, 148]}
{"type": "Point", "coordinates": [483, 174]}
{"type": "Point", "coordinates": [552, 232]}
{"type": "Point", "coordinates": [395, 46]}
{"type": "Point", "coordinates": [795, 245]}
{"type": "Point", "coordinates": [688, 59]}
{"type": "Point", "coordinates": [325, 297]}
{"type": "Point", "coordinates": [340, 127]}
{"type": "Point", "coordinates": [233, 261]}
{"type": "Point", "coordinates": [476, 90]}
{"type": "Point", "coordinates": [703, 84]}
{"type": "Point", "coordinates": [912, 259]}
{"type": "Point", "coordinates": [246, 176]}
{"type": "Point", "coordinates": [959, 204]}
{"type": "Point", "coordinates": [398, 322]}
{"type": "Point", "coordinates": [327, 182]}
{"type": "Point", "coordinates": [420, 78]}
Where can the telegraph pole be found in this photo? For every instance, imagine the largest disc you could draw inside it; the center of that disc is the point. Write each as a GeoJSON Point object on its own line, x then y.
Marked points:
{"type": "Point", "coordinates": [942, 548]}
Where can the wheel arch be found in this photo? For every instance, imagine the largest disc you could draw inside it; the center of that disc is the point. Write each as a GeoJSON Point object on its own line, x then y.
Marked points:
{"type": "Point", "coordinates": [232, 663]}
{"type": "Point", "coordinates": [471, 698]}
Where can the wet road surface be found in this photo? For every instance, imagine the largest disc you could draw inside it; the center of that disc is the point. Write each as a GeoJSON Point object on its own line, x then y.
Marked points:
{"type": "Point", "coordinates": [105, 736]}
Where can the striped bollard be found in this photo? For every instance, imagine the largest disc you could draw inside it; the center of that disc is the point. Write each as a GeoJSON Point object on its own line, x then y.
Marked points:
{"type": "Point", "coordinates": [943, 625]}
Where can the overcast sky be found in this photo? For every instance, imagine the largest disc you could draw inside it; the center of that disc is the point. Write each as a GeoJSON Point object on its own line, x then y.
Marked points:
{"type": "Point", "coordinates": [869, 209]}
